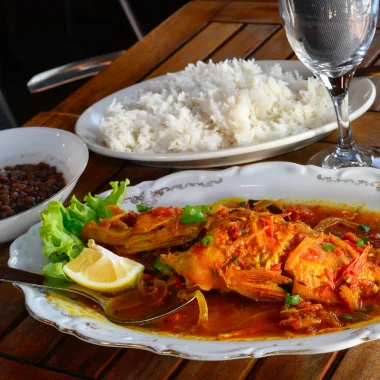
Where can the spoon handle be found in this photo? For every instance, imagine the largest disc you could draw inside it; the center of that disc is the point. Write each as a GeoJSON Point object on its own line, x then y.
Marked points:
{"type": "Point", "coordinates": [20, 277]}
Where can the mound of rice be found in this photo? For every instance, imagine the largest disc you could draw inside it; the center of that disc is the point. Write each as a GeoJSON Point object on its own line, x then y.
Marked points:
{"type": "Point", "coordinates": [213, 106]}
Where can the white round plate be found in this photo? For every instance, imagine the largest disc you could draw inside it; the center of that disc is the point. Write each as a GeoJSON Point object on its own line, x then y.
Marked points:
{"type": "Point", "coordinates": [362, 94]}
{"type": "Point", "coordinates": [357, 186]}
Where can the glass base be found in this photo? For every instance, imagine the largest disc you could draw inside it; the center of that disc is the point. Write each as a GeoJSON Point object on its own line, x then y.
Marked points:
{"type": "Point", "coordinates": [334, 158]}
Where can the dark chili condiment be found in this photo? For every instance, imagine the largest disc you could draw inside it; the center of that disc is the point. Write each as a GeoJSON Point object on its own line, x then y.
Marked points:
{"type": "Point", "coordinates": [25, 186]}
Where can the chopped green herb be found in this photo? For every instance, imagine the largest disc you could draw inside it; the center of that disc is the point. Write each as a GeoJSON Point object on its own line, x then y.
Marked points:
{"type": "Point", "coordinates": [338, 234]}
{"type": "Point", "coordinates": [358, 319]}
{"type": "Point", "coordinates": [328, 247]}
{"type": "Point", "coordinates": [360, 243]}
{"type": "Point", "coordinates": [346, 317]}
{"type": "Point", "coordinates": [162, 267]}
{"type": "Point", "coordinates": [364, 310]}
{"type": "Point", "coordinates": [234, 259]}
{"type": "Point", "coordinates": [366, 239]}
{"type": "Point", "coordinates": [243, 203]}
{"type": "Point", "coordinates": [194, 214]}
{"type": "Point", "coordinates": [142, 208]}
{"type": "Point", "coordinates": [363, 227]}
{"type": "Point", "coordinates": [207, 240]}
{"type": "Point", "coordinates": [292, 300]}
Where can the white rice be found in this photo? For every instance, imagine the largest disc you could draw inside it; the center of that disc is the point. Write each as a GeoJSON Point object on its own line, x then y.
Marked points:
{"type": "Point", "coordinates": [213, 106]}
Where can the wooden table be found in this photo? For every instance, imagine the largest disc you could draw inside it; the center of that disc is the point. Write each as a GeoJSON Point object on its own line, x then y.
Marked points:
{"type": "Point", "coordinates": [199, 31]}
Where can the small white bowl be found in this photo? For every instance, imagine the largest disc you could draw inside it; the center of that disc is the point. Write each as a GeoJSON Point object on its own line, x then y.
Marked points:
{"type": "Point", "coordinates": [64, 150]}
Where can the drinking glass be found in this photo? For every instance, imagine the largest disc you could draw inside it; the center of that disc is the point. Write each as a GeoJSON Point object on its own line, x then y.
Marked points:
{"type": "Point", "coordinates": [331, 37]}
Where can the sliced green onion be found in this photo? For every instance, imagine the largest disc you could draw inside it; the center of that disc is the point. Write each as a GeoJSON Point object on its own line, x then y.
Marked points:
{"type": "Point", "coordinates": [338, 234]}
{"type": "Point", "coordinates": [360, 243]}
{"type": "Point", "coordinates": [364, 310]}
{"type": "Point", "coordinates": [207, 240]}
{"type": "Point", "coordinates": [328, 247]}
{"type": "Point", "coordinates": [292, 300]}
{"type": "Point", "coordinates": [142, 208]}
{"type": "Point", "coordinates": [363, 227]}
{"type": "Point", "coordinates": [346, 317]}
{"type": "Point", "coordinates": [234, 259]}
{"type": "Point", "coordinates": [194, 214]}
{"type": "Point", "coordinates": [162, 267]}
{"type": "Point", "coordinates": [366, 239]}
{"type": "Point", "coordinates": [243, 203]}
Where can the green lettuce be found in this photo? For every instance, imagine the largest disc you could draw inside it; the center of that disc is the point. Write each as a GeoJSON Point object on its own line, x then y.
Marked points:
{"type": "Point", "coordinates": [62, 227]}
{"type": "Point", "coordinates": [100, 205]}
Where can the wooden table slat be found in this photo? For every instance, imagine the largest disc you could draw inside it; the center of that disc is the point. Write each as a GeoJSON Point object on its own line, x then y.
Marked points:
{"type": "Point", "coordinates": [223, 370]}
{"type": "Point", "coordinates": [136, 364]}
{"type": "Point", "coordinates": [13, 370]}
{"type": "Point", "coordinates": [295, 367]}
{"type": "Point", "coordinates": [245, 42]}
{"type": "Point", "coordinates": [85, 359]}
{"type": "Point", "coordinates": [30, 340]}
{"type": "Point", "coordinates": [277, 47]}
{"type": "Point", "coordinates": [373, 51]}
{"type": "Point", "coordinates": [249, 12]}
{"type": "Point", "coordinates": [360, 362]}
{"type": "Point", "coordinates": [199, 48]}
{"type": "Point", "coordinates": [12, 308]}
{"type": "Point", "coordinates": [362, 129]}
{"type": "Point", "coordinates": [144, 56]}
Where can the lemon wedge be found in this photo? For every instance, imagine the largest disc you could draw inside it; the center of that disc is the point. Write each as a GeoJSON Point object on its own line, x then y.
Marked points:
{"type": "Point", "coordinates": [99, 269]}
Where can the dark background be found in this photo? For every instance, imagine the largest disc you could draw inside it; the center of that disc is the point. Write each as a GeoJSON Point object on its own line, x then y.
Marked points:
{"type": "Point", "coordinates": [38, 35]}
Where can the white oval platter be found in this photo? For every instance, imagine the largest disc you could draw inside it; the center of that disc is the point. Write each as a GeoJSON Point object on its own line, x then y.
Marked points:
{"type": "Point", "coordinates": [361, 95]}
{"type": "Point", "coordinates": [275, 180]}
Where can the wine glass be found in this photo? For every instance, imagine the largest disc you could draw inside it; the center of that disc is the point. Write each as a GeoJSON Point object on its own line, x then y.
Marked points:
{"type": "Point", "coordinates": [331, 38]}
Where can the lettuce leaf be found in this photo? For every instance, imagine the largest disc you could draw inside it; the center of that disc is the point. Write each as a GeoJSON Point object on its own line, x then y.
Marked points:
{"type": "Point", "coordinates": [56, 239]}
{"type": "Point", "coordinates": [55, 271]}
{"type": "Point", "coordinates": [62, 227]}
{"type": "Point", "coordinates": [100, 205]}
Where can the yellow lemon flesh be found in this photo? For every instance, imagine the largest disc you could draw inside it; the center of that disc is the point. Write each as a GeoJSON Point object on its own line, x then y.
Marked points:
{"type": "Point", "coordinates": [99, 269]}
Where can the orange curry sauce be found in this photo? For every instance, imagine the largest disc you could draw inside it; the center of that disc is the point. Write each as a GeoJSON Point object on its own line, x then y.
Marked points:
{"type": "Point", "coordinates": [232, 316]}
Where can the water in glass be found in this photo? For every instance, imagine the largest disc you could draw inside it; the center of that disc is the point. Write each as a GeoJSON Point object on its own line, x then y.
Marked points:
{"type": "Point", "coordinates": [331, 37]}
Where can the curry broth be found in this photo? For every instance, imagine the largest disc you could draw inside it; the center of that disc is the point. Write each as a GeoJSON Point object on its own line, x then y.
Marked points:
{"type": "Point", "coordinates": [232, 316]}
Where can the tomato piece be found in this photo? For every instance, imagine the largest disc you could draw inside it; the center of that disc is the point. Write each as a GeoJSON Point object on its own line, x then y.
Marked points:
{"type": "Point", "coordinates": [301, 213]}
{"type": "Point", "coordinates": [234, 231]}
{"type": "Point", "coordinates": [351, 237]}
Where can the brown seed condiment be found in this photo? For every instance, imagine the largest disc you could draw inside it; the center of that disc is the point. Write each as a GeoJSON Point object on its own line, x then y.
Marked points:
{"type": "Point", "coordinates": [25, 186]}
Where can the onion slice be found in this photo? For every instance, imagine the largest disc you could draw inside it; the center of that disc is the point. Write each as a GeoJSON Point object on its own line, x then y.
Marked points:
{"type": "Point", "coordinates": [332, 221]}
{"type": "Point", "coordinates": [202, 303]}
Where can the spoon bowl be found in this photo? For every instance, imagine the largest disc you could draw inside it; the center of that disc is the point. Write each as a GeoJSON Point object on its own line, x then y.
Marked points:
{"type": "Point", "coordinates": [125, 308]}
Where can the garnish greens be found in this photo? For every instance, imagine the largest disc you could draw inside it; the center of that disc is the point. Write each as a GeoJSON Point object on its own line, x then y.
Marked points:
{"type": "Point", "coordinates": [194, 214]}
{"type": "Point", "coordinates": [142, 208]}
{"type": "Point", "coordinates": [363, 227]}
{"type": "Point", "coordinates": [162, 267]}
{"type": "Point", "coordinates": [292, 300]}
{"type": "Point", "coordinates": [62, 227]}
{"type": "Point", "coordinates": [207, 240]}
{"type": "Point", "coordinates": [328, 247]}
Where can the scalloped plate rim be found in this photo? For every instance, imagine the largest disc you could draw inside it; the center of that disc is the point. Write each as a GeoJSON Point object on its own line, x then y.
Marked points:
{"type": "Point", "coordinates": [212, 349]}
{"type": "Point", "coordinates": [87, 123]}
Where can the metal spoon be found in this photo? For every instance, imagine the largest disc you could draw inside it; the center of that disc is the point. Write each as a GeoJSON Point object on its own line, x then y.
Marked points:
{"type": "Point", "coordinates": [108, 304]}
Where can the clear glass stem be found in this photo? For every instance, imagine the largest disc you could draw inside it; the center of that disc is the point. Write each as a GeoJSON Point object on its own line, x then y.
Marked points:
{"type": "Point", "coordinates": [338, 90]}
